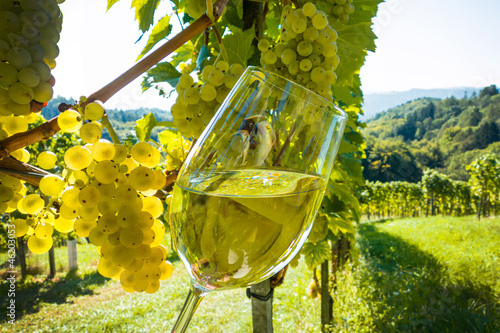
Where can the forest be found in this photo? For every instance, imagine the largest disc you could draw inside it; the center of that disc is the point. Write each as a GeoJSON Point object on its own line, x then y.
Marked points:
{"type": "Point", "coordinates": [428, 133]}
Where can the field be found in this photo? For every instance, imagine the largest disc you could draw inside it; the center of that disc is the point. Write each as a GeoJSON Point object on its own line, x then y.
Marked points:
{"type": "Point", "coordinates": [436, 274]}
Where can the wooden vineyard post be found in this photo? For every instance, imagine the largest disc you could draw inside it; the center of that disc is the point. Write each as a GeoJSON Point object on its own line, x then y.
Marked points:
{"type": "Point", "coordinates": [21, 256]}
{"type": "Point", "coordinates": [52, 262]}
{"type": "Point", "coordinates": [261, 295]}
{"type": "Point", "coordinates": [326, 298]}
{"type": "Point", "coordinates": [72, 255]}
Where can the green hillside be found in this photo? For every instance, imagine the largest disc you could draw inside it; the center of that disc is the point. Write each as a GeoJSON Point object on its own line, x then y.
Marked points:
{"type": "Point", "coordinates": [442, 134]}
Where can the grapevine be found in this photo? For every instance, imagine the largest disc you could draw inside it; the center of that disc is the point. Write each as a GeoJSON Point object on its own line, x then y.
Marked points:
{"type": "Point", "coordinates": [115, 193]}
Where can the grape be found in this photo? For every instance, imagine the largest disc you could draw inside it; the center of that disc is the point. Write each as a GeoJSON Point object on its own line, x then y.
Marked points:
{"type": "Point", "coordinates": [21, 93]}
{"type": "Point", "coordinates": [29, 77]}
{"type": "Point", "coordinates": [77, 158]}
{"type": "Point", "coordinates": [299, 25]}
{"type": "Point", "coordinates": [120, 153]}
{"type": "Point", "coordinates": [20, 227]}
{"type": "Point", "coordinates": [107, 268]}
{"type": "Point", "coordinates": [82, 228]}
{"type": "Point", "coordinates": [89, 196]}
{"type": "Point", "coordinates": [185, 81]}
{"type": "Point", "coordinates": [122, 255]}
{"type": "Point", "coordinates": [208, 92]}
{"type": "Point", "coordinates": [305, 65]}
{"type": "Point", "coordinates": [46, 160]}
{"type": "Point", "coordinates": [8, 74]}
{"type": "Point", "coordinates": [6, 193]}
{"type": "Point", "coordinates": [304, 48]}
{"type": "Point", "coordinates": [136, 265]}
{"type": "Point", "coordinates": [32, 204]}
{"type": "Point", "coordinates": [38, 245]}
{"type": "Point", "coordinates": [44, 230]}
{"type": "Point", "coordinates": [88, 213]}
{"type": "Point", "coordinates": [108, 223]}
{"type": "Point", "coordinates": [141, 178]}
{"type": "Point", "coordinates": [263, 45]}
{"type": "Point", "coordinates": [166, 269]}
{"type": "Point", "coordinates": [69, 212]}
{"type": "Point", "coordinates": [131, 237]}
{"type": "Point", "coordinates": [309, 9]}
{"type": "Point", "coordinates": [153, 205]}
{"type": "Point", "coordinates": [42, 69]}
{"type": "Point", "coordinates": [103, 150]}
{"type": "Point", "coordinates": [94, 111]}
{"type": "Point", "coordinates": [69, 121]}
{"type": "Point", "coordinates": [51, 185]}
{"type": "Point", "coordinates": [90, 132]}
{"type": "Point", "coordinates": [191, 95]}
{"type": "Point", "coordinates": [63, 225]}
{"type": "Point", "coordinates": [19, 57]}
{"type": "Point", "coordinates": [15, 125]}
{"type": "Point", "coordinates": [141, 152]}
{"type": "Point", "coordinates": [97, 237]}
{"type": "Point", "coordinates": [43, 92]}
{"type": "Point", "coordinates": [196, 8]}
{"type": "Point", "coordinates": [106, 172]}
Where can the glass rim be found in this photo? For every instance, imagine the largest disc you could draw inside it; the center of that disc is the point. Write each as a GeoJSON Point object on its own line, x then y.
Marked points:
{"type": "Point", "coordinates": [342, 114]}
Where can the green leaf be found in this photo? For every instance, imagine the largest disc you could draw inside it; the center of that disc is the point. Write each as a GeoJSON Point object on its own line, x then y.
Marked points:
{"type": "Point", "coordinates": [183, 54]}
{"type": "Point", "coordinates": [162, 72]}
{"type": "Point", "coordinates": [343, 225]}
{"type": "Point", "coordinates": [365, 11]}
{"type": "Point", "coordinates": [161, 30]}
{"type": "Point", "coordinates": [144, 126]}
{"type": "Point", "coordinates": [168, 137]}
{"type": "Point", "coordinates": [202, 56]}
{"type": "Point", "coordinates": [353, 43]}
{"type": "Point", "coordinates": [144, 12]}
{"type": "Point", "coordinates": [111, 3]}
{"type": "Point", "coordinates": [238, 45]}
{"type": "Point", "coordinates": [316, 253]}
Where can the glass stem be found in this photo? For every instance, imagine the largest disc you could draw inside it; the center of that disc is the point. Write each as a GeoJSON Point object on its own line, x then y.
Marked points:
{"type": "Point", "coordinates": [192, 301]}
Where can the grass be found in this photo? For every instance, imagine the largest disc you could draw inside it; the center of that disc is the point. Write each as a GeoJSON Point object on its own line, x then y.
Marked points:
{"type": "Point", "coordinates": [436, 274]}
{"type": "Point", "coordinates": [89, 303]}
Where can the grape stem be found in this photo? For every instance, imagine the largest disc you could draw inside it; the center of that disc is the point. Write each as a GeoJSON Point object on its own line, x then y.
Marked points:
{"type": "Point", "coordinates": [107, 125]}
{"type": "Point", "coordinates": [49, 128]}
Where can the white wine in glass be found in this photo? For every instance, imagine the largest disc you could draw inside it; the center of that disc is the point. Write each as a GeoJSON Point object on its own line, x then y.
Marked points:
{"type": "Point", "coordinates": [246, 196]}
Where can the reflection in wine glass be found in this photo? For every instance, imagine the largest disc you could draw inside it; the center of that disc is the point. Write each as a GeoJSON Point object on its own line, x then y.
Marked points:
{"type": "Point", "coordinates": [247, 194]}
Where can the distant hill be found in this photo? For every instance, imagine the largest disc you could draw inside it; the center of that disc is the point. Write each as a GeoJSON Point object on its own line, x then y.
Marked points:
{"type": "Point", "coordinates": [378, 102]}
{"type": "Point", "coordinates": [442, 134]}
{"type": "Point", "coordinates": [123, 121]}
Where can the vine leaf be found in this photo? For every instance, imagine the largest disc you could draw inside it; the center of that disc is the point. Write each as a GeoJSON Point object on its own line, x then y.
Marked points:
{"type": "Point", "coordinates": [316, 253]}
{"type": "Point", "coordinates": [161, 30]}
{"type": "Point", "coordinates": [171, 139]}
{"type": "Point", "coordinates": [144, 126]}
{"type": "Point", "coordinates": [111, 3]}
{"type": "Point", "coordinates": [239, 46]}
{"type": "Point", "coordinates": [144, 12]}
{"type": "Point", "coordinates": [343, 225]}
{"type": "Point", "coordinates": [162, 72]}
{"type": "Point", "coordinates": [353, 43]}
{"type": "Point", "coordinates": [202, 56]}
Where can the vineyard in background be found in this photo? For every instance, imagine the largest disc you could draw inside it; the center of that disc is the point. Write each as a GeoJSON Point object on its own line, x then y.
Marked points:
{"type": "Point", "coordinates": [436, 193]}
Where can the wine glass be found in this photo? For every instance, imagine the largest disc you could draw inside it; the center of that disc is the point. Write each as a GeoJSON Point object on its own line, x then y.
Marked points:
{"type": "Point", "coordinates": [246, 196]}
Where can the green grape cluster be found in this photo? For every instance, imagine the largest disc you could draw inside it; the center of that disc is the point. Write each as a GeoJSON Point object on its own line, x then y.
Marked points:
{"type": "Point", "coordinates": [306, 52]}
{"type": "Point", "coordinates": [106, 193]}
{"type": "Point", "coordinates": [197, 102]}
{"type": "Point", "coordinates": [340, 9]}
{"type": "Point", "coordinates": [29, 33]}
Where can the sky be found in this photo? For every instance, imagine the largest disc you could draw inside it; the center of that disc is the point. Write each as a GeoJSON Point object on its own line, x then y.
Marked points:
{"type": "Point", "coordinates": [421, 44]}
